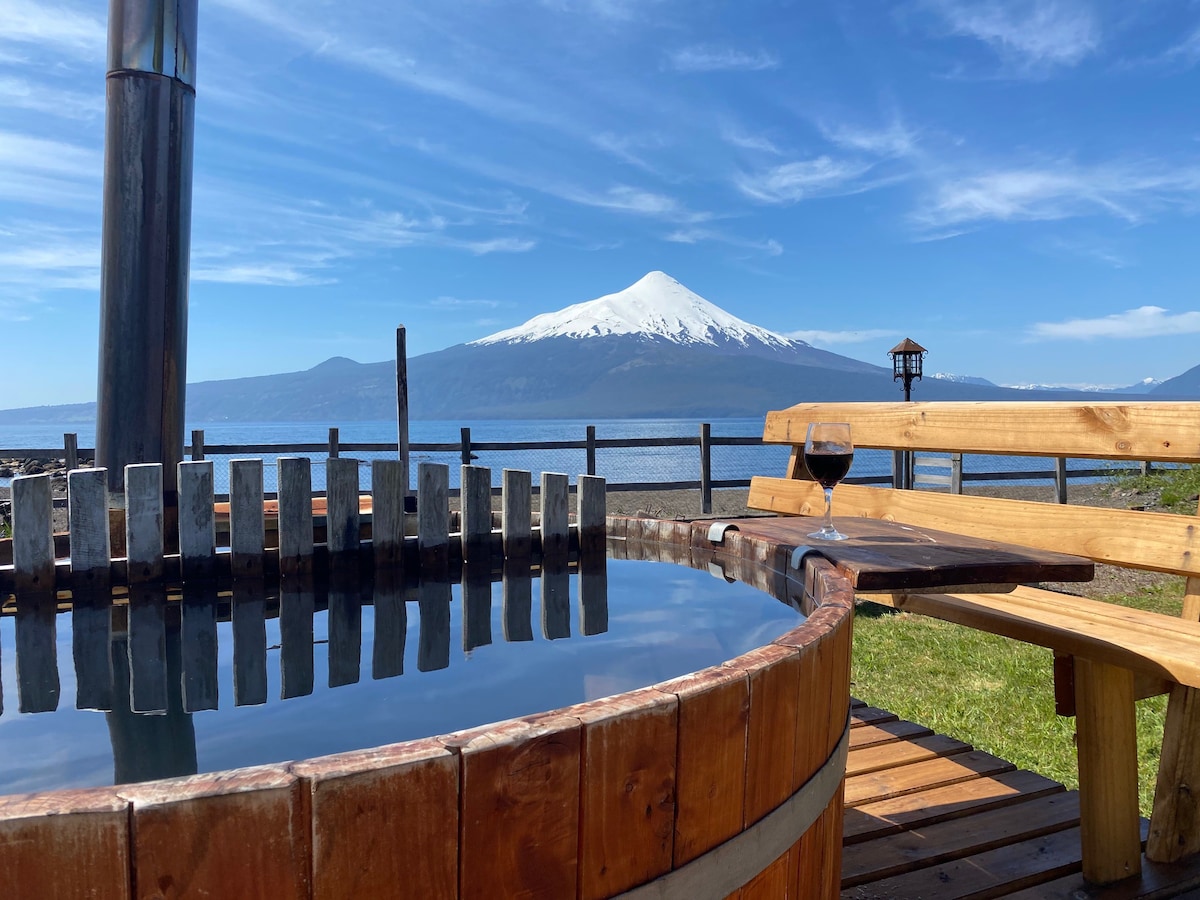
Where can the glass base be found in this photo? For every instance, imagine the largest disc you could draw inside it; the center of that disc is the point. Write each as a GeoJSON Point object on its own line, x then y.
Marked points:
{"type": "Point", "coordinates": [829, 533]}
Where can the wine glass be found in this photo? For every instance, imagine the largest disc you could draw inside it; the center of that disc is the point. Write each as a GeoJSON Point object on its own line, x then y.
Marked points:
{"type": "Point", "coordinates": [828, 452]}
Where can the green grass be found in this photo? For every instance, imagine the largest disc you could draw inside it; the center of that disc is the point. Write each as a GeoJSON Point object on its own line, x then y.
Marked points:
{"type": "Point", "coordinates": [992, 692]}
{"type": "Point", "coordinates": [1177, 488]}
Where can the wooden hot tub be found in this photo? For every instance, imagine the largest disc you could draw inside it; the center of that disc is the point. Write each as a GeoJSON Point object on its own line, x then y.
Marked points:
{"type": "Point", "coordinates": [727, 778]}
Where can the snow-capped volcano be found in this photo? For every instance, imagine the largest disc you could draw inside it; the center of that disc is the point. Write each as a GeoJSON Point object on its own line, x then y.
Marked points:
{"type": "Point", "coordinates": [657, 307]}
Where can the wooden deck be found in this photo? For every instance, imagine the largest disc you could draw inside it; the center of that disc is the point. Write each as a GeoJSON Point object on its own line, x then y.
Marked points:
{"type": "Point", "coordinates": [930, 817]}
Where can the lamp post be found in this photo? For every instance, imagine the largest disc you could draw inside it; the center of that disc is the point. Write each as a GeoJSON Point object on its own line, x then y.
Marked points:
{"type": "Point", "coordinates": [906, 365]}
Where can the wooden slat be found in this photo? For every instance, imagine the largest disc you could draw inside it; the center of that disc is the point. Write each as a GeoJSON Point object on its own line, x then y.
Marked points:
{"type": "Point", "coordinates": [247, 528]}
{"type": "Point", "coordinates": [341, 504]}
{"type": "Point", "coordinates": [476, 511]}
{"type": "Point", "coordinates": [144, 522]}
{"type": "Point", "coordinates": [1073, 627]}
{"type": "Point", "coordinates": [87, 514]}
{"type": "Point", "coordinates": [197, 522]}
{"type": "Point", "coordinates": [1109, 430]}
{"type": "Point", "coordinates": [433, 515]}
{"type": "Point", "coordinates": [554, 514]}
{"type": "Point", "coordinates": [906, 851]}
{"type": "Point", "coordinates": [517, 502]}
{"type": "Point", "coordinates": [885, 733]}
{"type": "Point", "coordinates": [627, 805]}
{"type": "Point", "coordinates": [872, 759]}
{"type": "Point", "coordinates": [774, 676]}
{"type": "Point", "coordinates": [294, 475]}
{"type": "Point", "coordinates": [938, 804]}
{"type": "Point", "coordinates": [989, 874]}
{"type": "Point", "coordinates": [1161, 542]}
{"type": "Point", "coordinates": [592, 511]}
{"type": "Point", "coordinates": [1175, 822]}
{"type": "Point", "coordinates": [33, 536]}
{"type": "Point", "coordinates": [1106, 741]}
{"type": "Point", "coordinates": [906, 779]}
{"type": "Point", "coordinates": [388, 490]}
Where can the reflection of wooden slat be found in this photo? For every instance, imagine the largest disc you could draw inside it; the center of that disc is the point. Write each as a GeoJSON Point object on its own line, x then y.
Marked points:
{"type": "Point", "coordinates": [433, 640]}
{"type": "Point", "coordinates": [199, 643]}
{"type": "Point", "coordinates": [517, 505]}
{"type": "Point", "coordinates": [341, 495]}
{"type": "Point", "coordinates": [197, 521]}
{"type": "Point", "coordinates": [246, 522]}
{"type": "Point", "coordinates": [476, 604]}
{"type": "Point", "coordinates": [295, 516]}
{"type": "Point", "coordinates": [556, 599]}
{"type": "Point", "coordinates": [391, 622]}
{"type": "Point", "coordinates": [91, 639]}
{"type": "Point", "coordinates": [593, 595]}
{"type": "Point", "coordinates": [554, 514]}
{"type": "Point", "coordinates": [33, 541]}
{"type": "Point", "coordinates": [248, 611]}
{"type": "Point", "coordinates": [144, 522]}
{"type": "Point", "coordinates": [37, 653]}
{"type": "Point", "coordinates": [296, 604]}
{"type": "Point", "coordinates": [518, 600]}
{"type": "Point", "coordinates": [147, 648]}
{"type": "Point", "coordinates": [345, 631]}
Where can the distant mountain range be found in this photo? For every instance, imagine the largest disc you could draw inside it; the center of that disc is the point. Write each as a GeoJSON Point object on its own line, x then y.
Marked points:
{"type": "Point", "coordinates": [655, 349]}
{"type": "Point", "coordinates": [1145, 386]}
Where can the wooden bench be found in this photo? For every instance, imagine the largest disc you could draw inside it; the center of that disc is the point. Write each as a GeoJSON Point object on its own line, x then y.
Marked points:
{"type": "Point", "coordinates": [1106, 656]}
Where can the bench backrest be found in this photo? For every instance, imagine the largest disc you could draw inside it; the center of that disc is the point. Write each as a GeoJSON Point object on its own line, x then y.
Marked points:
{"type": "Point", "coordinates": [1161, 542]}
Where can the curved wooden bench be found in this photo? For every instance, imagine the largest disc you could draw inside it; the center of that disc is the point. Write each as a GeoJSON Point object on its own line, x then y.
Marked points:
{"type": "Point", "coordinates": [1106, 656]}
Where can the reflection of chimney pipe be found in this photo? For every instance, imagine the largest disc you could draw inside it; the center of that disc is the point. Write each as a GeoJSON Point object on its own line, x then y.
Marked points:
{"type": "Point", "coordinates": [150, 94]}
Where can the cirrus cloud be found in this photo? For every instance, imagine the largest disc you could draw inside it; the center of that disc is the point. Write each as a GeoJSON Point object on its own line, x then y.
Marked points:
{"type": "Point", "coordinates": [1143, 322]}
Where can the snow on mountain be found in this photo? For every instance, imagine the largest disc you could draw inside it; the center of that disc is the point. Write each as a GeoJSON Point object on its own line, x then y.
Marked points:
{"type": "Point", "coordinates": [963, 379]}
{"type": "Point", "coordinates": [656, 306]}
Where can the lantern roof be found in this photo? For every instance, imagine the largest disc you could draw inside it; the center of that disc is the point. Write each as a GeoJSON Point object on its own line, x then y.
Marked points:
{"type": "Point", "coordinates": [908, 345]}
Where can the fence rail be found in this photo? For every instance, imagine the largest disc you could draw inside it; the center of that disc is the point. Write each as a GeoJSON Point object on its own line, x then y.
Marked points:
{"type": "Point", "coordinates": [926, 471]}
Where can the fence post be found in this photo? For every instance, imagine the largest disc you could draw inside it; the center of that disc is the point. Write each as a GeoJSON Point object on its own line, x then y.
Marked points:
{"type": "Point", "coordinates": [898, 469]}
{"type": "Point", "coordinates": [198, 445]}
{"type": "Point", "coordinates": [465, 451]}
{"type": "Point", "coordinates": [1145, 466]}
{"type": "Point", "coordinates": [705, 469]}
{"type": "Point", "coordinates": [71, 451]}
{"type": "Point", "coordinates": [956, 473]}
{"type": "Point", "coordinates": [402, 408]}
{"type": "Point", "coordinates": [333, 443]}
{"type": "Point", "coordinates": [591, 449]}
{"type": "Point", "coordinates": [1060, 479]}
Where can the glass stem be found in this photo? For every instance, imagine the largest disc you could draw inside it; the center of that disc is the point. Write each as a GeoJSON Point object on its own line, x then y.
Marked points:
{"type": "Point", "coordinates": [828, 526]}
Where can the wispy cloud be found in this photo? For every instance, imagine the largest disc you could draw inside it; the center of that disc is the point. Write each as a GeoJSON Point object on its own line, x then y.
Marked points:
{"type": "Point", "coordinates": [501, 245]}
{"type": "Point", "coordinates": [18, 93]}
{"type": "Point", "coordinates": [708, 58]}
{"type": "Point", "coordinates": [743, 140]}
{"type": "Point", "coordinates": [1030, 35]}
{"type": "Point", "coordinates": [50, 24]}
{"type": "Point", "coordinates": [1143, 322]}
{"type": "Point", "coordinates": [802, 180]}
{"type": "Point", "coordinates": [1186, 53]}
{"type": "Point", "coordinates": [834, 338]}
{"type": "Point", "coordinates": [48, 173]}
{"type": "Point", "coordinates": [445, 302]}
{"type": "Point", "coordinates": [893, 141]}
{"type": "Point", "coordinates": [769, 246]}
{"type": "Point", "coordinates": [615, 10]}
{"type": "Point", "coordinates": [1125, 191]}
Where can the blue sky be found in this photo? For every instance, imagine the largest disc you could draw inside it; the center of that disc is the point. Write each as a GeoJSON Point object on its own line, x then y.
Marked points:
{"type": "Point", "coordinates": [1014, 184]}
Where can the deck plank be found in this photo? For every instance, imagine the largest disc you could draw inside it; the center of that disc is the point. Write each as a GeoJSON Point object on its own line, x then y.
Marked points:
{"type": "Point", "coordinates": [918, 776]}
{"type": "Point", "coordinates": [872, 759]}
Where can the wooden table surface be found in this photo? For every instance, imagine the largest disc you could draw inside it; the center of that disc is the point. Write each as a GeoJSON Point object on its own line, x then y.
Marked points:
{"type": "Point", "coordinates": [891, 556]}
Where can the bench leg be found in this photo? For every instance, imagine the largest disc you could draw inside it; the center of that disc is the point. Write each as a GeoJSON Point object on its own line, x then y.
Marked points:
{"type": "Point", "coordinates": [1108, 794]}
{"type": "Point", "coordinates": [1175, 822]}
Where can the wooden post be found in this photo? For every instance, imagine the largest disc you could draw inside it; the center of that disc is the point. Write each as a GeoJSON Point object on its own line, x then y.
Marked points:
{"type": "Point", "coordinates": [1108, 789]}
{"type": "Point", "coordinates": [554, 514]}
{"type": "Point", "coordinates": [197, 444]}
{"type": "Point", "coordinates": [956, 473]}
{"type": "Point", "coordinates": [476, 511]}
{"type": "Point", "coordinates": [517, 513]}
{"type": "Point", "coordinates": [197, 524]}
{"type": "Point", "coordinates": [33, 536]}
{"type": "Point", "coordinates": [591, 505]}
{"type": "Point", "coordinates": [333, 443]}
{"type": "Point", "coordinates": [1060, 479]}
{"type": "Point", "coordinates": [897, 469]}
{"type": "Point", "coordinates": [144, 522]}
{"type": "Point", "coordinates": [389, 485]}
{"type": "Point", "coordinates": [433, 515]}
{"type": "Point", "coordinates": [705, 469]}
{"type": "Point", "coordinates": [246, 523]}
{"type": "Point", "coordinates": [402, 408]}
{"type": "Point", "coordinates": [71, 451]}
{"type": "Point", "coordinates": [341, 509]}
{"type": "Point", "coordinates": [591, 449]}
{"type": "Point", "coordinates": [1175, 822]}
{"type": "Point", "coordinates": [465, 451]}
{"type": "Point", "coordinates": [91, 604]}
{"type": "Point", "coordinates": [295, 516]}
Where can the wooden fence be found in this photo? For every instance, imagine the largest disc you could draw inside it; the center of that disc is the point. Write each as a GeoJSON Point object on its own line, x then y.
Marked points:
{"type": "Point", "coordinates": [148, 543]}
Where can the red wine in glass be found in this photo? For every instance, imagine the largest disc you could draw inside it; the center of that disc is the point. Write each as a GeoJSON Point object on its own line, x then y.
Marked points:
{"type": "Point", "coordinates": [828, 452]}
